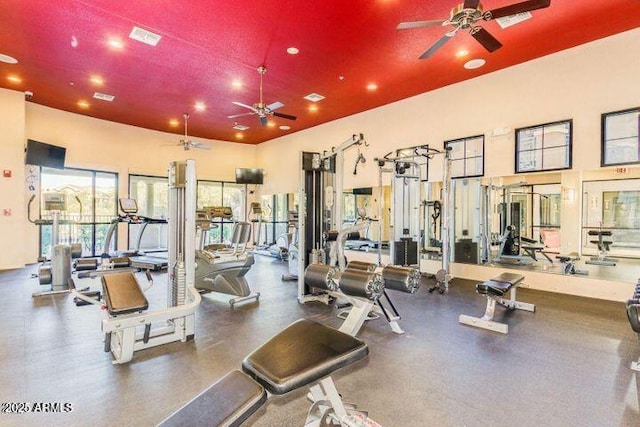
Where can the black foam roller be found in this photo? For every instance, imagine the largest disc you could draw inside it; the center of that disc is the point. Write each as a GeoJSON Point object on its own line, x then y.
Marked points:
{"type": "Point", "coordinates": [401, 279]}
{"type": "Point", "coordinates": [360, 283]}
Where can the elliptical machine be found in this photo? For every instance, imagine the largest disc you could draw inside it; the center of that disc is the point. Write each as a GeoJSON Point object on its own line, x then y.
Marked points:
{"type": "Point", "coordinates": [57, 271]}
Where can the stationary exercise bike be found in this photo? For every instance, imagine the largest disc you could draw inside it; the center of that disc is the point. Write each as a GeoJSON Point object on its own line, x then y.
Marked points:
{"type": "Point", "coordinates": [57, 271]}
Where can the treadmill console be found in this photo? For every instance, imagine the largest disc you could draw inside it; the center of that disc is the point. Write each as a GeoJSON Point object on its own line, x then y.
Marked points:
{"type": "Point", "coordinates": [128, 206]}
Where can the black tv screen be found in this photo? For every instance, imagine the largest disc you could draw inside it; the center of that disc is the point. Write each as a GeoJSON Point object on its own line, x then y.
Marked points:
{"type": "Point", "coordinates": [365, 190]}
{"type": "Point", "coordinates": [249, 176]}
{"type": "Point", "coordinates": [41, 154]}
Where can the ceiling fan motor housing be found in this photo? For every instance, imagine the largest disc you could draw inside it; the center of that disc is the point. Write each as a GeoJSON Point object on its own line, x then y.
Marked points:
{"type": "Point", "coordinates": [465, 18]}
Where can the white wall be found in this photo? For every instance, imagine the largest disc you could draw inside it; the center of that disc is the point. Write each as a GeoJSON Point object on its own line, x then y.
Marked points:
{"type": "Point", "coordinates": [12, 195]}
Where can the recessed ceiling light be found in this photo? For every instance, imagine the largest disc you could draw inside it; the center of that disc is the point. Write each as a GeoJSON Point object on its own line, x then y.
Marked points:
{"type": "Point", "coordinates": [293, 50]}
{"type": "Point", "coordinates": [285, 127]}
{"type": "Point", "coordinates": [236, 84]}
{"type": "Point", "coordinates": [74, 42]}
{"type": "Point", "coordinates": [174, 123]}
{"type": "Point", "coordinates": [474, 63]}
{"type": "Point", "coordinates": [462, 52]}
{"type": "Point", "coordinates": [103, 96]}
{"type": "Point", "coordinates": [341, 78]}
{"type": "Point", "coordinates": [144, 36]}
{"type": "Point", "coordinates": [83, 104]}
{"type": "Point", "coordinates": [238, 126]}
{"type": "Point", "coordinates": [97, 80]}
{"type": "Point", "coordinates": [313, 108]}
{"type": "Point", "coordinates": [14, 79]}
{"type": "Point", "coordinates": [313, 97]}
{"type": "Point", "coordinates": [271, 124]}
{"type": "Point", "coordinates": [8, 59]}
{"type": "Point", "coordinates": [115, 43]}
{"type": "Point", "coordinates": [239, 135]}
{"type": "Point", "coordinates": [199, 106]}
{"type": "Point", "coordinates": [372, 87]}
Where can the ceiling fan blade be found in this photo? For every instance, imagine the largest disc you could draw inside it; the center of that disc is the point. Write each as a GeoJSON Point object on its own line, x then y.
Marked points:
{"type": "Point", "coordinates": [419, 24]}
{"type": "Point", "coordinates": [240, 115]}
{"type": "Point", "coordinates": [275, 105]}
{"type": "Point", "coordinates": [524, 6]}
{"type": "Point", "coordinates": [200, 145]}
{"type": "Point", "coordinates": [284, 116]}
{"type": "Point", "coordinates": [263, 120]}
{"type": "Point", "coordinates": [240, 104]}
{"type": "Point", "coordinates": [471, 4]}
{"type": "Point", "coordinates": [436, 46]}
{"type": "Point", "coordinates": [485, 39]}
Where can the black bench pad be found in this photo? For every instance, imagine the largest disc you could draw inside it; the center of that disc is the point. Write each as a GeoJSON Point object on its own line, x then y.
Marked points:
{"type": "Point", "coordinates": [300, 354]}
{"type": "Point", "coordinates": [123, 294]}
{"type": "Point", "coordinates": [228, 402]}
{"type": "Point", "coordinates": [500, 285]}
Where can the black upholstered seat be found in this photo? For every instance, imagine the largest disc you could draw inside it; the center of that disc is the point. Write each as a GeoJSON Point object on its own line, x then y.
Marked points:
{"type": "Point", "coordinates": [228, 402]}
{"type": "Point", "coordinates": [123, 294]}
{"type": "Point", "coordinates": [633, 314]}
{"type": "Point", "coordinates": [500, 285]}
{"type": "Point", "coordinates": [302, 353]}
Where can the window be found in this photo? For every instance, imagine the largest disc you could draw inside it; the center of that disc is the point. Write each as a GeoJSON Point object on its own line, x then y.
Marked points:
{"type": "Point", "coordinates": [544, 147]}
{"type": "Point", "coordinates": [152, 195]}
{"type": "Point", "coordinates": [467, 156]}
{"type": "Point", "coordinates": [216, 193]}
{"type": "Point", "coordinates": [275, 216]}
{"type": "Point", "coordinates": [91, 201]}
{"type": "Point", "coordinates": [620, 141]}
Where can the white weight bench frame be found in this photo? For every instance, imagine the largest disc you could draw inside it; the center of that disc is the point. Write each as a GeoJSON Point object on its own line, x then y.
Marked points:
{"type": "Point", "coordinates": [486, 321]}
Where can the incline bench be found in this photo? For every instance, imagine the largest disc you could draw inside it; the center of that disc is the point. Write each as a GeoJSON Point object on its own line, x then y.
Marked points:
{"type": "Point", "coordinates": [302, 353]}
{"type": "Point", "coordinates": [633, 314]}
{"type": "Point", "coordinates": [494, 290]}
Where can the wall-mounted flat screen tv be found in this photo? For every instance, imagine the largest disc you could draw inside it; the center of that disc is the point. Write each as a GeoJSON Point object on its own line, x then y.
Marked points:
{"type": "Point", "coordinates": [47, 155]}
{"type": "Point", "coordinates": [249, 176]}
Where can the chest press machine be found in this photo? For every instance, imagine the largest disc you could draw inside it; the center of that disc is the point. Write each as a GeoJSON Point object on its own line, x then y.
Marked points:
{"type": "Point", "coordinates": [495, 290]}
{"type": "Point", "coordinates": [125, 304]}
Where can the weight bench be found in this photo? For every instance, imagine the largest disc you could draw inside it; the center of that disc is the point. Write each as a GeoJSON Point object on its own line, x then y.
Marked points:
{"type": "Point", "coordinates": [494, 290]}
{"type": "Point", "coordinates": [302, 353]}
{"type": "Point", "coordinates": [568, 264]}
{"type": "Point", "coordinates": [633, 314]}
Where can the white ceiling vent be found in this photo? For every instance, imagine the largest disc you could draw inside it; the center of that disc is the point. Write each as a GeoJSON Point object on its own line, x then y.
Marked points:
{"type": "Point", "coordinates": [240, 127]}
{"type": "Point", "coordinates": [103, 96]}
{"type": "Point", "coordinates": [508, 21]}
{"type": "Point", "coordinates": [314, 97]}
{"type": "Point", "coordinates": [144, 36]}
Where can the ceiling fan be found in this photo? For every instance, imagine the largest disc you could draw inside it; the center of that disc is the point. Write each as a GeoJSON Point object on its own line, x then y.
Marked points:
{"type": "Point", "coordinates": [187, 143]}
{"type": "Point", "coordinates": [465, 16]}
{"type": "Point", "coordinates": [260, 108]}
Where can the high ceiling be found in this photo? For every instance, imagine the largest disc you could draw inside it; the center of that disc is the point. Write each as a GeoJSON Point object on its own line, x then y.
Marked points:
{"type": "Point", "coordinates": [207, 45]}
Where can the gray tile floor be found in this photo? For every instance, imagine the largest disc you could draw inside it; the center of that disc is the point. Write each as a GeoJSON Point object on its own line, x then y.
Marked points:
{"type": "Point", "coordinates": [565, 365]}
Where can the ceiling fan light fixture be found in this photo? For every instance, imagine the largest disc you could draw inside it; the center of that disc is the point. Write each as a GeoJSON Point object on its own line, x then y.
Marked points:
{"type": "Point", "coordinates": [474, 63]}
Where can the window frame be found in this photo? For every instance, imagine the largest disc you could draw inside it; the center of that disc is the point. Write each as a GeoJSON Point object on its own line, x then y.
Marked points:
{"type": "Point", "coordinates": [603, 140]}
{"type": "Point", "coordinates": [93, 223]}
{"type": "Point", "coordinates": [221, 222]}
{"type": "Point", "coordinates": [465, 158]}
{"type": "Point", "coordinates": [543, 125]}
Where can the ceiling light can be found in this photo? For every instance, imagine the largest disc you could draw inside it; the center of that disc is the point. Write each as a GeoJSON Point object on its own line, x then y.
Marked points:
{"type": "Point", "coordinates": [474, 63]}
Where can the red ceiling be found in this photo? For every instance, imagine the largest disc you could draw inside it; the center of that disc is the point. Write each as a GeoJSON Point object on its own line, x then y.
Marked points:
{"type": "Point", "coordinates": [207, 44]}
